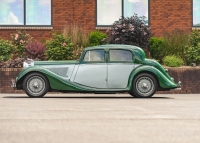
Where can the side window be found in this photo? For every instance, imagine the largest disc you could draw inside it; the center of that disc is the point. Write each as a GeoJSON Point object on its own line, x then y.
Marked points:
{"type": "Point", "coordinates": [94, 56]}
{"type": "Point", "coordinates": [121, 55]}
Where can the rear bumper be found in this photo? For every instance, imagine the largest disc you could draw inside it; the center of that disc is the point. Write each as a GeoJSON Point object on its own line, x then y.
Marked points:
{"type": "Point", "coordinates": [178, 86]}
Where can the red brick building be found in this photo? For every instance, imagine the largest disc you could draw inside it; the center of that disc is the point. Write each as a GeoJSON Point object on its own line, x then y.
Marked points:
{"type": "Point", "coordinates": [163, 15]}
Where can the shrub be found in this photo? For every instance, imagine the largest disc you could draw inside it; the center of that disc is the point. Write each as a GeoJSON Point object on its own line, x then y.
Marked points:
{"type": "Point", "coordinates": [173, 61]}
{"type": "Point", "coordinates": [193, 53]}
{"type": "Point", "coordinates": [79, 38]}
{"type": "Point", "coordinates": [97, 38]}
{"type": "Point", "coordinates": [77, 35]}
{"type": "Point", "coordinates": [35, 50]}
{"type": "Point", "coordinates": [20, 40]}
{"type": "Point", "coordinates": [157, 48]}
{"type": "Point", "coordinates": [59, 48]}
{"type": "Point", "coordinates": [176, 44]}
{"type": "Point", "coordinates": [6, 49]}
{"type": "Point", "coordinates": [131, 31]}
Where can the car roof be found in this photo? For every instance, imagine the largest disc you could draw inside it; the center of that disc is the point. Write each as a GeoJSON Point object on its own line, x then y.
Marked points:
{"type": "Point", "coordinates": [113, 46]}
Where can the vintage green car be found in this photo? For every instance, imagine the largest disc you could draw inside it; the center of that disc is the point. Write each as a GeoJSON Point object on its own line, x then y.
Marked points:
{"type": "Point", "coordinates": [100, 69]}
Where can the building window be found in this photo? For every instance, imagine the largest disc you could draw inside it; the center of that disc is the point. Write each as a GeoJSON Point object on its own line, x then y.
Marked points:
{"type": "Point", "coordinates": [108, 11]}
{"type": "Point", "coordinates": [196, 13]}
{"type": "Point", "coordinates": [25, 13]}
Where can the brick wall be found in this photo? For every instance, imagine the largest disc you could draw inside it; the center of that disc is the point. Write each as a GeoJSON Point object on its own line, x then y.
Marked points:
{"type": "Point", "coordinates": [165, 16]}
{"type": "Point", "coordinates": [188, 76]}
{"type": "Point", "coordinates": [168, 15]}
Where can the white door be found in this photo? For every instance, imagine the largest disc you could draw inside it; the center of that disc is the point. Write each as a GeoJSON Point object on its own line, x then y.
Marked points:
{"type": "Point", "coordinates": [120, 66]}
{"type": "Point", "coordinates": [93, 71]}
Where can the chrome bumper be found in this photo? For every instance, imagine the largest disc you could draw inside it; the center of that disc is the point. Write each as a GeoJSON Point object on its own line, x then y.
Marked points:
{"type": "Point", "coordinates": [178, 86]}
{"type": "Point", "coordinates": [13, 84]}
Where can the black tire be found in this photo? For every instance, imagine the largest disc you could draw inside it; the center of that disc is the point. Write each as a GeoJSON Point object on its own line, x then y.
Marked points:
{"type": "Point", "coordinates": [132, 94]}
{"type": "Point", "coordinates": [144, 85]}
{"type": "Point", "coordinates": [35, 85]}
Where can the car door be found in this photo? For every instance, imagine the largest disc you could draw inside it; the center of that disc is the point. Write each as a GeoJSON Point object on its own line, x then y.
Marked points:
{"type": "Point", "coordinates": [120, 66]}
{"type": "Point", "coordinates": [92, 71]}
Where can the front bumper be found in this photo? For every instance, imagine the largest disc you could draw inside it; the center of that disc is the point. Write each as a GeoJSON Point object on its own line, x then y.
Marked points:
{"type": "Point", "coordinates": [13, 84]}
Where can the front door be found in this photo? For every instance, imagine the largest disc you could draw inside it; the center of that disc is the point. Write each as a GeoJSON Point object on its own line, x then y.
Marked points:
{"type": "Point", "coordinates": [92, 72]}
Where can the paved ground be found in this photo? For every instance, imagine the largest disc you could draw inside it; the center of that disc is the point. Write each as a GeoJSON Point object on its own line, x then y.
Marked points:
{"type": "Point", "coordinates": [85, 118]}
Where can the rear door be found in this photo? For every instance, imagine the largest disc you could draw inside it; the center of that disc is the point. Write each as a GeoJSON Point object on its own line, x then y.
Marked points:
{"type": "Point", "coordinates": [120, 66]}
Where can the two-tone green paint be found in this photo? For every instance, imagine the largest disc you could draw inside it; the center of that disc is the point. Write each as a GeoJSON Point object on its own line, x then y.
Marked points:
{"type": "Point", "coordinates": [60, 83]}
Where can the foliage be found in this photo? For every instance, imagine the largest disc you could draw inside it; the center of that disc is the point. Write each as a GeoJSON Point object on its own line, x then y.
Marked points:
{"type": "Point", "coordinates": [6, 49]}
{"type": "Point", "coordinates": [77, 35]}
{"type": "Point", "coordinates": [131, 31]}
{"type": "Point", "coordinates": [20, 40]}
{"type": "Point", "coordinates": [59, 48]}
{"type": "Point", "coordinates": [35, 50]}
{"type": "Point", "coordinates": [173, 61]}
{"type": "Point", "coordinates": [97, 38]}
{"type": "Point", "coordinates": [193, 53]}
{"type": "Point", "coordinates": [157, 48]}
{"type": "Point", "coordinates": [176, 43]}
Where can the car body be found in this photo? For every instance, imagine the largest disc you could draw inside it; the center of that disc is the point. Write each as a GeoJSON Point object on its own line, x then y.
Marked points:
{"type": "Point", "coordinates": [108, 68]}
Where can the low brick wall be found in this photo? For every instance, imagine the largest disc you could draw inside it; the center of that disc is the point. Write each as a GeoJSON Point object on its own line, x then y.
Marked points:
{"type": "Point", "coordinates": [189, 76]}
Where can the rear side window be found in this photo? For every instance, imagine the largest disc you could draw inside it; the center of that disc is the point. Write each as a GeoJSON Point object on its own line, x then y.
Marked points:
{"type": "Point", "coordinates": [121, 55]}
{"type": "Point", "coordinates": [94, 56]}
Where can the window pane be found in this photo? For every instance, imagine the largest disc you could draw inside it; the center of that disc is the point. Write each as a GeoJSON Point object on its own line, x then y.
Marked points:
{"type": "Point", "coordinates": [139, 7]}
{"type": "Point", "coordinates": [108, 11]}
{"type": "Point", "coordinates": [94, 55]}
{"type": "Point", "coordinates": [38, 12]}
{"type": "Point", "coordinates": [11, 12]}
{"type": "Point", "coordinates": [196, 12]}
{"type": "Point", "coordinates": [120, 55]}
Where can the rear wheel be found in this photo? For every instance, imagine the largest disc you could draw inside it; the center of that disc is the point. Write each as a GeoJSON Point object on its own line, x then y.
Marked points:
{"type": "Point", "coordinates": [144, 85]}
{"type": "Point", "coordinates": [35, 85]}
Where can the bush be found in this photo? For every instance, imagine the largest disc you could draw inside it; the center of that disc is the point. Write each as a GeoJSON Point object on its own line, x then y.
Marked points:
{"type": "Point", "coordinates": [176, 44]}
{"type": "Point", "coordinates": [157, 48]}
{"type": "Point", "coordinates": [6, 49]}
{"type": "Point", "coordinates": [193, 53]}
{"type": "Point", "coordinates": [35, 50]}
{"type": "Point", "coordinates": [59, 48]}
{"type": "Point", "coordinates": [77, 35]}
{"type": "Point", "coordinates": [173, 61]}
{"type": "Point", "coordinates": [97, 38]}
{"type": "Point", "coordinates": [130, 31]}
{"type": "Point", "coordinates": [20, 39]}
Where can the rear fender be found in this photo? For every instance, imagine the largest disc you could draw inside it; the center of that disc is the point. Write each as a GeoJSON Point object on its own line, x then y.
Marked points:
{"type": "Point", "coordinates": [163, 81]}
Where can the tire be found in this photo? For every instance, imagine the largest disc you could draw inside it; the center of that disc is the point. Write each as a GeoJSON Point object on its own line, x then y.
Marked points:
{"type": "Point", "coordinates": [132, 94]}
{"type": "Point", "coordinates": [35, 85]}
{"type": "Point", "coordinates": [144, 85]}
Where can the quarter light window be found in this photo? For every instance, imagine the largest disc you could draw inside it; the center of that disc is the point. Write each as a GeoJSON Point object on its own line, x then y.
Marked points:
{"type": "Point", "coordinates": [94, 56]}
{"type": "Point", "coordinates": [196, 13]}
{"type": "Point", "coordinates": [121, 55]}
{"type": "Point", "coordinates": [25, 12]}
{"type": "Point", "coordinates": [108, 11]}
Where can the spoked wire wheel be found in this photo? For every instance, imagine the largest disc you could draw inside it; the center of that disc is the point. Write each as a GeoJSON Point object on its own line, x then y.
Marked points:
{"type": "Point", "coordinates": [36, 85]}
{"type": "Point", "coordinates": [144, 85]}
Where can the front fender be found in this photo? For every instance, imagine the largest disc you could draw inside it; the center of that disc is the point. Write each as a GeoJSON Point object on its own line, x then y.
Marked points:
{"type": "Point", "coordinates": [164, 81]}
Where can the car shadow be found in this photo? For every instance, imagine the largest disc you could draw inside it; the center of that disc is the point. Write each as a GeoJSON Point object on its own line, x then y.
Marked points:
{"type": "Point", "coordinates": [90, 97]}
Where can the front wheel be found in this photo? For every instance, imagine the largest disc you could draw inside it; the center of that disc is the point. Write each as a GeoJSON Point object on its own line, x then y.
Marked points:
{"type": "Point", "coordinates": [144, 85]}
{"type": "Point", "coordinates": [35, 85]}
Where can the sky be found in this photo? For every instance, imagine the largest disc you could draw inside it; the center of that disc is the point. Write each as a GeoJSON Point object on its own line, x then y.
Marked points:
{"type": "Point", "coordinates": [38, 12]}
{"type": "Point", "coordinates": [196, 12]}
